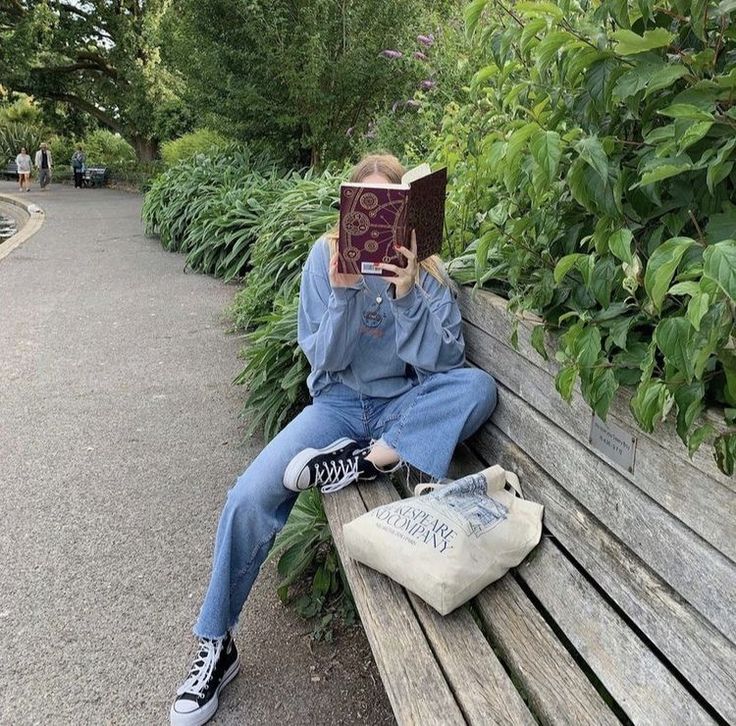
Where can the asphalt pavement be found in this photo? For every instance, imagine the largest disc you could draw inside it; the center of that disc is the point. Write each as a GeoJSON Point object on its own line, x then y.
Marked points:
{"type": "Point", "coordinates": [119, 437]}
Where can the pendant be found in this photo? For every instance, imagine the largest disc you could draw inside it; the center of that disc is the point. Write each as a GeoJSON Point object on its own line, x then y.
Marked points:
{"type": "Point", "coordinates": [379, 300]}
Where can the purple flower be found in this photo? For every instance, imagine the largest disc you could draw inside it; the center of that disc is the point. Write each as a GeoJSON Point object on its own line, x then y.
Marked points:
{"type": "Point", "coordinates": [411, 103]}
{"type": "Point", "coordinates": [427, 84]}
{"type": "Point", "coordinates": [419, 55]}
{"type": "Point", "coordinates": [349, 132]}
{"type": "Point", "coordinates": [426, 40]}
{"type": "Point", "coordinates": [393, 54]}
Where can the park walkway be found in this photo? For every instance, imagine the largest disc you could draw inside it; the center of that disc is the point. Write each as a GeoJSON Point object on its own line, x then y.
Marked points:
{"type": "Point", "coordinates": [120, 436]}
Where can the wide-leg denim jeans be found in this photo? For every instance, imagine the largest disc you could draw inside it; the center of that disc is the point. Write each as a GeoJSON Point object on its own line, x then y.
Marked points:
{"type": "Point", "coordinates": [423, 425]}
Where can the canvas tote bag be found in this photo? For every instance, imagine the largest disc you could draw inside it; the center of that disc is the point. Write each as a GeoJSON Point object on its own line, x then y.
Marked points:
{"type": "Point", "coordinates": [447, 545]}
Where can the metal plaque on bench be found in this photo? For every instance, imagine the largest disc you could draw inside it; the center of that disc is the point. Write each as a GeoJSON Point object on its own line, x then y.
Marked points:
{"type": "Point", "coordinates": [614, 442]}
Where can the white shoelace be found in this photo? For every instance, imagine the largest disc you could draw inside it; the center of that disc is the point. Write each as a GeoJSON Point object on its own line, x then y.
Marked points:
{"type": "Point", "coordinates": [201, 670]}
{"type": "Point", "coordinates": [348, 472]}
{"type": "Point", "coordinates": [342, 472]}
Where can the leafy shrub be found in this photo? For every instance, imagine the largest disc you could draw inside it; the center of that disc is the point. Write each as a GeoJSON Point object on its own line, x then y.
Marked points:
{"type": "Point", "coordinates": [62, 148]}
{"type": "Point", "coordinates": [197, 142]}
{"type": "Point", "coordinates": [104, 148]}
{"type": "Point", "coordinates": [275, 371]}
{"type": "Point", "coordinates": [302, 211]}
{"type": "Point", "coordinates": [305, 549]}
{"type": "Point", "coordinates": [594, 173]}
{"type": "Point", "coordinates": [14, 135]}
{"type": "Point", "coordinates": [208, 207]}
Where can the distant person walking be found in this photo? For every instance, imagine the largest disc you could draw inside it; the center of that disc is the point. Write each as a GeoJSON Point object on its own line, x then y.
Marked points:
{"type": "Point", "coordinates": [44, 164]}
{"type": "Point", "coordinates": [79, 159]}
{"type": "Point", "coordinates": [23, 163]}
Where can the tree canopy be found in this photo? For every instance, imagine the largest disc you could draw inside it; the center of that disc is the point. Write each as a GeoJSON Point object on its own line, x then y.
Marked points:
{"type": "Point", "coordinates": [100, 57]}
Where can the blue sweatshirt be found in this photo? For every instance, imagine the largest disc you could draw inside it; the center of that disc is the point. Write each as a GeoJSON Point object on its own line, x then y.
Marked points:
{"type": "Point", "coordinates": [362, 337]}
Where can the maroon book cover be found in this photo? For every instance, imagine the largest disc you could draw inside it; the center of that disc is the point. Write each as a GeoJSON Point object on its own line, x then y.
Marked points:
{"type": "Point", "coordinates": [375, 217]}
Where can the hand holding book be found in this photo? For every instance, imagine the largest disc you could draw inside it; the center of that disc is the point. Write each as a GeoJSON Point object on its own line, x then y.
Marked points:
{"type": "Point", "coordinates": [404, 276]}
{"type": "Point", "coordinates": [341, 279]}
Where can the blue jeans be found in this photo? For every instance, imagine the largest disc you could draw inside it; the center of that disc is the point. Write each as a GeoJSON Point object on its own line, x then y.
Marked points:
{"type": "Point", "coordinates": [423, 425]}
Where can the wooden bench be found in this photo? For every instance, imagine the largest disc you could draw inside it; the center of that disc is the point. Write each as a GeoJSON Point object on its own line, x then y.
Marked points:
{"type": "Point", "coordinates": [625, 612]}
{"type": "Point", "coordinates": [96, 176]}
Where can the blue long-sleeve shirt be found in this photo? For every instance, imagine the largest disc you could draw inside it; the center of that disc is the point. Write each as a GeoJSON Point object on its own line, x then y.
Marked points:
{"type": "Point", "coordinates": [362, 337]}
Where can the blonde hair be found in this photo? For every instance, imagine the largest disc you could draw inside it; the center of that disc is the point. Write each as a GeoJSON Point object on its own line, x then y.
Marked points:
{"type": "Point", "coordinates": [390, 167]}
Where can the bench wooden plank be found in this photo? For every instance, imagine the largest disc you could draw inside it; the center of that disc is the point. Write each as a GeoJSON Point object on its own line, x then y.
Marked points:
{"type": "Point", "coordinates": [702, 654]}
{"type": "Point", "coordinates": [639, 682]}
{"type": "Point", "coordinates": [555, 687]}
{"type": "Point", "coordinates": [488, 312]}
{"type": "Point", "coordinates": [704, 576]}
{"type": "Point", "coordinates": [703, 503]}
{"type": "Point", "coordinates": [414, 682]}
{"type": "Point", "coordinates": [481, 686]}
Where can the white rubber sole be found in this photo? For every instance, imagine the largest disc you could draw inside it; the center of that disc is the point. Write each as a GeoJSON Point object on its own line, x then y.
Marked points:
{"type": "Point", "coordinates": [204, 714]}
{"type": "Point", "coordinates": [295, 466]}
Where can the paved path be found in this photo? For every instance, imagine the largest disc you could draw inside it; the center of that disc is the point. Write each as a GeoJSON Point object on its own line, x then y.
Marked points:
{"type": "Point", "coordinates": [119, 437]}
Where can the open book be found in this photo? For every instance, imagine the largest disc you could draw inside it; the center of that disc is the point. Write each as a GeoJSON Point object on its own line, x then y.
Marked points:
{"type": "Point", "coordinates": [375, 217]}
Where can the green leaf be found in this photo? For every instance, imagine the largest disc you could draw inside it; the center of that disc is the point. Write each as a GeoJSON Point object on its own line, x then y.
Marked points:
{"type": "Point", "coordinates": [592, 153]}
{"type": "Point", "coordinates": [719, 264]}
{"type": "Point", "coordinates": [651, 404]}
{"type": "Point", "coordinates": [686, 110]}
{"type": "Point", "coordinates": [684, 288]}
{"type": "Point", "coordinates": [537, 341]}
{"type": "Point", "coordinates": [659, 169]}
{"type": "Point", "coordinates": [728, 361]}
{"type": "Point", "coordinates": [697, 307]}
{"type": "Point", "coordinates": [693, 134]}
{"type": "Point", "coordinates": [721, 226]}
{"type": "Point", "coordinates": [546, 52]}
{"type": "Point", "coordinates": [587, 346]}
{"type": "Point", "coordinates": [661, 267]}
{"type": "Point", "coordinates": [546, 150]}
{"type": "Point", "coordinates": [601, 390]}
{"type": "Point", "coordinates": [629, 43]}
{"type": "Point", "coordinates": [535, 9]}
{"type": "Point", "coordinates": [566, 264]}
{"type": "Point", "coordinates": [697, 17]}
{"type": "Point", "coordinates": [620, 245]}
{"type": "Point", "coordinates": [690, 404]}
{"type": "Point", "coordinates": [698, 437]}
{"type": "Point", "coordinates": [664, 78]}
{"type": "Point", "coordinates": [674, 338]}
{"type": "Point", "coordinates": [565, 380]}
{"type": "Point", "coordinates": [473, 13]}
{"type": "Point", "coordinates": [725, 453]}
{"type": "Point", "coordinates": [717, 172]}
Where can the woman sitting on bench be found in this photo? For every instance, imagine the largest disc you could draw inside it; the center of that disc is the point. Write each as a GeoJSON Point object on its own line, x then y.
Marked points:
{"type": "Point", "coordinates": [388, 385]}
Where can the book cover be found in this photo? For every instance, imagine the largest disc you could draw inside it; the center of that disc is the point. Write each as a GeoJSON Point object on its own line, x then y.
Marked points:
{"type": "Point", "coordinates": [375, 217]}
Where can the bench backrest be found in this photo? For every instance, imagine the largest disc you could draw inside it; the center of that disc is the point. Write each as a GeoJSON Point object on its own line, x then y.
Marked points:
{"type": "Point", "coordinates": [640, 551]}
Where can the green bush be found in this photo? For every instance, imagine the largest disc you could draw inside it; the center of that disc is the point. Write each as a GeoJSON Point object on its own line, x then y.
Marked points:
{"type": "Point", "coordinates": [201, 141]}
{"type": "Point", "coordinates": [104, 148]}
{"type": "Point", "coordinates": [593, 178]}
{"type": "Point", "coordinates": [208, 207]}
{"type": "Point", "coordinates": [302, 211]}
{"type": "Point", "coordinates": [306, 553]}
{"type": "Point", "coordinates": [14, 135]}
{"type": "Point", "coordinates": [275, 370]}
{"type": "Point", "coordinates": [62, 149]}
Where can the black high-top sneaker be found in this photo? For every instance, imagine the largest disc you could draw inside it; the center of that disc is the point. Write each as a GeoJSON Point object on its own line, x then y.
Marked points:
{"type": "Point", "coordinates": [214, 666]}
{"type": "Point", "coordinates": [332, 468]}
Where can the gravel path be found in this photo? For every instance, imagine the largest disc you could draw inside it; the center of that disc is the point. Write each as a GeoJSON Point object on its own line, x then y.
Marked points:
{"type": "Point", "coordinates": [120, 436]}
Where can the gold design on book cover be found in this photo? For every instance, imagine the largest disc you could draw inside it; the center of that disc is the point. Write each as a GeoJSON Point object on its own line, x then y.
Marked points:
{"type": "Point", "coordinates": [355, 223]}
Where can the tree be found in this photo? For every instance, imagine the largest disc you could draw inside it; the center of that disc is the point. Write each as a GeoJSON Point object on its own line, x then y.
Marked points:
{"type": "Point", "coordinates": [298, 74]}
{"type": "Point", "coordinates": [100, 57]}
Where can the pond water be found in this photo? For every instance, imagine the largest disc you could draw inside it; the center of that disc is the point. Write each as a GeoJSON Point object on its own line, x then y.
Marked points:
{"type": "Point", "coordinates": [7, 227]}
